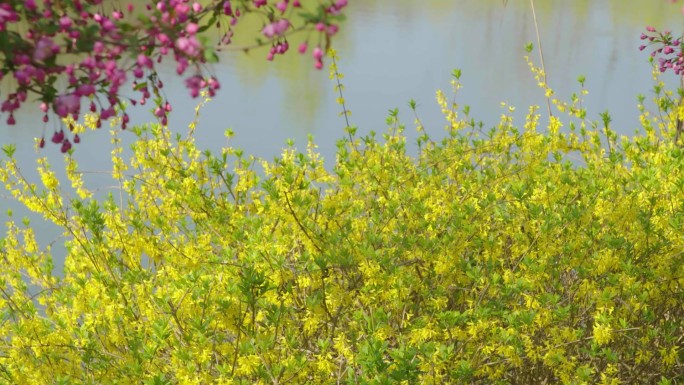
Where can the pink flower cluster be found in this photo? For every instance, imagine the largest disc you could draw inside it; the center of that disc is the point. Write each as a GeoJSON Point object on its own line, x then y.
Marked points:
{"type": "Point", "coordinates": [276, 29]}
{"type": "Point", "coordinates": [668, 49]}
{"type": "Point", "coordinates": [7, 15]}
{"type": "Point", "coordinates": [105, 36]}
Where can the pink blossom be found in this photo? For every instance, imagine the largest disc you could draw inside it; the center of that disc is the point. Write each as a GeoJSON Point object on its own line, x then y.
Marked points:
{"type": "Point", "coordinates": [9, 105]}
{"type": "Point", "coordinates": [67, 104]}
{"type": "Point", "coordinates": [181, 66]}
{"type": "Point", "coordinates": [277, 28]}
{"type": "Point", "coordinates": [227, 9]}
{"type": "Point", "coordinates": [45, 49]}
{"type": "Point", "coordinates": [144, 61]}
{"type": "Point", "coordinates": [65, 22]}
{"type": "Point", "coordinates": [138, 72]}
{"type": "Point", "coordinates": [125, 119]}
{"type": "Point", "coordinates": [107, 24]}
{"type": "Point", "coordinates": [85, 90]}
{"type": "Point", "coordinates": [7, 14]}
{"type": "Point", "coordinates": [280, 48]}
{"type": "Point", "coordinates": [213, 83]}
{"type": "Point", "coordinates": [98, 47]}
{"type": "Point", "coordinates": [57, 137]}
{"type": "Point", "coordinates": [318, 53]}
{"type": "Point", "coordinates": [192, 28]}
{"type": "Point", "coordinates": [22, 76]}
{"type": "Point", "coordinates": [282, 6]}
{"type": "Point", "coordinates": [66, 146]}
{"type": "Point", "coordinates": [282, 25]}
{"type": "Point", "coordinates": [22, 59]}
{"type": "Point", "coordinates": [182, 11]}
{"type": "Point", "coordinates": [163, 38]}
{"type": "Point", "coordinates": [194, 84]}
{"type": "Point", "coordinates": [332, 29]}
{"type": "Point", "coordinates": [188, 45]}
{"type": "Point", "coordinates": [226, 39]}
{"type": "Point", "coordinates": [108, 113]}
{"type": "Point", "coordinates": [269, 30]}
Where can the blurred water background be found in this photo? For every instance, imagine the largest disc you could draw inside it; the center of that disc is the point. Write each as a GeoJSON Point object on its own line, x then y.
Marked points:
{"type": "Point", "coordinates": [393, 51]}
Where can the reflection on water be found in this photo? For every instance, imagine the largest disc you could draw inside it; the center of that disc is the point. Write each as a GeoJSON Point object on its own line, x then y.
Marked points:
{"type": "Point", "coordinates": [396, 50]}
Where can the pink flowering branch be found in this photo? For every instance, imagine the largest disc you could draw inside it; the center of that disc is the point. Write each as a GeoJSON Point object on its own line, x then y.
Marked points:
{"type": "Point", "coordinates": [96, 50]}
{"type": "Point", "coordinates": [668, 50]}
{"type": "Point", "coordinates": [670, 53]}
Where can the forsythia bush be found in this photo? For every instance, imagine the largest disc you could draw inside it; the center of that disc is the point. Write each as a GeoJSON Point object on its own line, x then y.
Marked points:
{"type": "Point", "coordinates": [512, 255]}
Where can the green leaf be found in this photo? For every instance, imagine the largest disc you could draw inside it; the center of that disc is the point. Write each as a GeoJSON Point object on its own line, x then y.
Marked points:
{"type": "Point", "coordinates": [9, 149]}
{"type": "Point", "coordinates": [140, 86]}
{"type": "Point", "coordinates": [210, 56]}
{"type": "Point", "coordinates": [209, 24]}
{"type": "Point", "coordinates": [581, 80]}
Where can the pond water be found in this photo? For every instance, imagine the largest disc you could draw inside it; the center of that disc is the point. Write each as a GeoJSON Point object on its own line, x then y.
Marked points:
{"type": "Point", "coordinates": [393, 51]}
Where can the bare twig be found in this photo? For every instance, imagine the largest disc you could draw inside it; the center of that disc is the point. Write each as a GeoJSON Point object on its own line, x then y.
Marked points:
{"type": "Point", "coordinates": [541, 54]}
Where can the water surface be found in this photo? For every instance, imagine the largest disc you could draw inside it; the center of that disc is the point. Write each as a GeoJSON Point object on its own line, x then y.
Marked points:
{"type": "Point", "coordinates": [393, 51]}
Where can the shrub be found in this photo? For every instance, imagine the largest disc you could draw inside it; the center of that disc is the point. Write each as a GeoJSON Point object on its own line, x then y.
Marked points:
{"type": "Point", "coordinates": [508, 255]}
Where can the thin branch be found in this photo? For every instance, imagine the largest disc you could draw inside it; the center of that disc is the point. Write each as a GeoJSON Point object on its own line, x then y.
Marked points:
{"type": "Point", "coordinates": [339, 90]}
{"type": "Point", "coordinates": [541, 54]}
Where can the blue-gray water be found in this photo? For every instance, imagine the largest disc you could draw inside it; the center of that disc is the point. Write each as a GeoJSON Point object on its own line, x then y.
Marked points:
{"type": "Point", "coordinates": [393, 51]}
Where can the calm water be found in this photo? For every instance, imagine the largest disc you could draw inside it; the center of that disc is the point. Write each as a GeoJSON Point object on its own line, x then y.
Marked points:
{"type": "Point", "coordinates": [396, 50]}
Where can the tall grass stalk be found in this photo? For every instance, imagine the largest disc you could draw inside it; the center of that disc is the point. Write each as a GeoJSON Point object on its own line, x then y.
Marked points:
{"type": "Point", "coordinates": [541, 53]}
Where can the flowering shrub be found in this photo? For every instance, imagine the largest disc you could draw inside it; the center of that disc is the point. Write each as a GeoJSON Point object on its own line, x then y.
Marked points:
{"type": "Point", "coordinates": [75, 51]}
{"type": "Point", "coordinates": [488, 257]}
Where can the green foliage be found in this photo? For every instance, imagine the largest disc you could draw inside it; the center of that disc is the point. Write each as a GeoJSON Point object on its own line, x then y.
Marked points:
{"type": "Point", "coordinates": [508, 255]}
